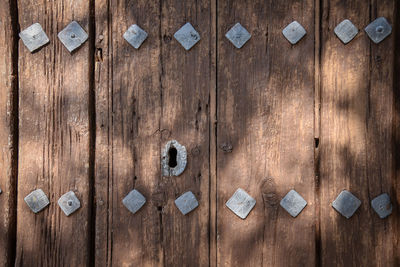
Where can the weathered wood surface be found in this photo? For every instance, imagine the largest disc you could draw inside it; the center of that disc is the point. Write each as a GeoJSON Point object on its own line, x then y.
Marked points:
{"type": "Point", "coordinates": [53, 138]}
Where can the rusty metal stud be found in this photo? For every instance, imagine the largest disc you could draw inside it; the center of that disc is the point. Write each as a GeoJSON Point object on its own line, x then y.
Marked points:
{"type": "Point", "coordinates": [135, 36]}
{"type": "Point", "coordinates": [241, 203]}
{"type": "Point", "coordinates": [346, 204]}
{"type": "Point", "coordinates": [186, 202]}
{"type": "Point", "coordinates": [69, 203]}
{"type": "Point", "coordinates": [346, 31]}
{"type": "Point", "coordinates": [37, 200]}
{"type": "Point", "coordinates": [174, 159]}
{"type": "Point", "coordinates": [187, 36]}
{"type": "Point", "coordinates": [72, 36]}
{"type": "Point", "coordinates": [382, 205]}
{"type": "Point", "coordinates": [293, 203]}
{"type": "Point", "coordinates": [34, 37]}
{"type": "Point", "coordinates": [238, 35]}
{"type": "Point", "coordinates": [378, 30]}
{"type": "Point", "coordinates": [294, 32]}
{"type": "Point", "coordinates": [134, 201]}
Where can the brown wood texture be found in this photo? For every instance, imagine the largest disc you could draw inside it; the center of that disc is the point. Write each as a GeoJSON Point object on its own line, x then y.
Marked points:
{"type": "Point", "coordinates": [53, 138]}
{"type": "Point", "coordinates": [356, 136]}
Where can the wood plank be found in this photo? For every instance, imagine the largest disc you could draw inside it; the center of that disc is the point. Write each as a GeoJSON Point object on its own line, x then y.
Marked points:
{"type": "Point", "coordinates": [8, 120]}
{"type": "Point", "coordinates": [265, 134]}
{"type": "Point", "coordinates": [54, 138]}
{"type": "Point", "coordinates": [356, 135]}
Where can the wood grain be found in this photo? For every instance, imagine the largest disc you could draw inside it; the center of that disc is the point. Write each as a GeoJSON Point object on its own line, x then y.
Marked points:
{"type": "Point", "coordinates": [54, 138]}
{"type": "Point", "coordinates": [265, 134]}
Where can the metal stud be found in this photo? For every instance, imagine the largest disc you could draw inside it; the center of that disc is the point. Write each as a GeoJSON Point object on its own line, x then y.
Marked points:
{"type": "Point", "coordinates": [346, 204]}
{"type": "Point", "coordinates": [382, 205]}
{"type": "Point", "coordinates": [135, 36]}
{"type": "Point", "coordinates": [346, 31]}
{"type": "Point", "coordinates": [187, 36]}
{"type": "Point", "coordinates": [378, 30]}
{"type": "Point", "coordinates": [34, 37]}
{"type": "Point", "coordinates": [241, 203]}
{"type": "Point", "coordinates": [186, 202]}
{"type": "Point", "coordinates": [69, 203]}
{"type": "Point", "coordinates": [293, 203]}
{"type": "Point", "coordinates": [174, 159]}
{"type": "Point", "coordinates": [238, 35]}
{"type": "Point", "coordinates": [134, 201]}
{"type": "Point", "coordinates": [294, 32]}
{"type": "Point", "coordinates": [72, 36]}
{"type": "Point", "coordinates": [37, 200]}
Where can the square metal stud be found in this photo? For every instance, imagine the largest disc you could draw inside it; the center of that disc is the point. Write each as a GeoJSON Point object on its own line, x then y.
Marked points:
{"type": "Point", "coordinates": [186, 202]}
{"type": "Point", "coordinates": [238, 35]}
{"type": "Point", "coordinates": [34, 37]}
{"type": "Point", "coordinates": [135, 36]}
{"type": "Point", "coordinates": [346, 31]}
{"type": "Point", "coordinates": [382, 205]}
{"type": "Point", "coordinates": [346, 203]}
{"type": "Point", "coordinates": [378, 30]}
{"type": "Point", "coordinates": [294, 32]}
{"type": "Point", "coordinates": [37, 200]}
{"type": "Point", "coordinates": [293, 203]}
{"type": "Point", "coordinates": [187, 36]}
{"type": "Point", "coordinates": [134, 201]}
{"type": "Point", "coordinates": [69, 203]}
{"type": "Point", "coordinates": [241, 203]}
{"type": "Point", "coordinates": [72, 36]}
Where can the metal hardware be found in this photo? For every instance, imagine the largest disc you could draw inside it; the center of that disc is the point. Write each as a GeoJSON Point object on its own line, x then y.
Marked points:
{"type": "Point", "coordinates": [34, 37]}
{"type": "Point", "coordinates": [174, 159]}
{"type": "Point", "coordinates": [346, 31]}
{"type": "Point", "coordinates": [186, 202]}
{"type": "Point", "coordinates": [346, 204]}
{"type": "Point", "coordinates": [134, 201]}
{"type": "Point", "coordinates": [241, 203]}
{"type": "Point", "coordinates": [293, 203]}
{"type": "Point", "coordinates": [187, 36]}
{"type": "Point", "coordinates": [378, 30]}
{"type": "Point", "coordinates": [294, 32]}
{"type": "Point", "coordinates": [69, 203]}
{"type": "Point", "coordinates": [382, 205]}
{"type": "Point", "coordinates": [238, 35]}
{"type": "Point", "coordinates": [135, 36]}
{"type": "Point", "coordinates": [37, 200]}
{"type": "Point", "coordinates": [72, 36]}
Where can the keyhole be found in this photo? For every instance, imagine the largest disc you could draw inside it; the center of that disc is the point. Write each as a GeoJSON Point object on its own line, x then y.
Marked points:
{"type": "Point", "coordinates": [172, 152]}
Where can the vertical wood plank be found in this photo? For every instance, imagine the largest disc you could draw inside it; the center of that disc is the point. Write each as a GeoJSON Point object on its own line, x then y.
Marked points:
{"type": "Point", "coordinates": [356, 135]}
{"type": "Point", "coordinates": [8, 82]}
{"type": "Point", "coordinates": [54, 138]}
{"type": "Point", "coordinates": [265, 134]}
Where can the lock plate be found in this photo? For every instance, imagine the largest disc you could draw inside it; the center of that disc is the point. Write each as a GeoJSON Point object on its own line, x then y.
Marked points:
{"type": "Point", "coordinates": [346, 204]}
{"type": "Point", "coordinates": [382, 205]}
{"type": "Point", "coordinates": [186, 202]}
{"type": "Point", "coordinates": [34, 37]}
{"type": "Point", "coordinates": [37, 200]}
{"type": "Point", "coordinates": [241, 203]}
{"type": "Point", "coordinates": [293, 203]}
{"type": "Point", "coordinates": [187, 36]}
{"type": "Point", "coordinates": [72, 36]}
{"type": "Point", "coordinates": [346, 31]}
{"type": "Point", "coordinates": [238, 35]}
{"type": "Point", "coordinates": [69, 203]}
{"type": "Point", "coordinates": [294, 32]}
{"type": "Point", "coordinates": [181, 159]}
{"type": "Point", "coordinates": [378, 30]}
{"type": "Point", "coordinates": [135, 36]}
{"type": "Point", "coordinates": [134, 201]}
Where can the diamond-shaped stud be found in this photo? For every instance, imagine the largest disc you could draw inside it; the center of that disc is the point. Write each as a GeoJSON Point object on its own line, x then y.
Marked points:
{"type": "Point", "coordinates": [37, 200]}
{"type": "Point", "coordinates": [238, 35]}
{"type": "Point", "coordinates": [378, 30]}
{"type": "Point", "coordinates": [69, 203]}
{"type": "Point", "coordinates": [294, 32]}
{"type": "Point", "coordinates": [135, 36]}
{"type": "Point", "coordinates": [34, 37]}
{"type": "Point", "coordinates": [72, 36]}
{"type": "Point", "coordinates": [134, 201]}
{"type": "Point", "coordinates": [187, 36]}
{"type": "Point", "coordinates": [346, 31]}
{"type": "Point", "coordinates": [382, 205]}
{"type": "Point", "coordinates": [186, 202]}
{"type": "Point", "coordinates": [241, 203]}
{"type": "Point", "coordinates": [346, 204]}
{"type": "Point", "coordinates": [293, 203]}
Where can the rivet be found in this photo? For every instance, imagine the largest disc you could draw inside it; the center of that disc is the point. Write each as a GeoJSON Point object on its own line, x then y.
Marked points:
{"type": "Point", "coordinates": [241, 203]}
{"type": "Point", "coordinates": [135, 36]}
{"type": "Point", "coordinates": [346, 31]}
{"type": "Point", "coordinates": [187, 36]}
{"type": "Point", "coordinates": [294, 32]}
{"type": "Point", "coordinates": [346, 204]}
{"type": "Point", "coordinates": [186, 202]}
{"type": "Point", "coordinates": [72, 36]}
{"type": "Point", "coordinates": [69, 203]}
{"type": "Point", "coordinates": [37, 200]}
{"type": "Point", "coordinates": [378, 30]}
{"type": "Point", "coordinates": [382, 205]}
{"type": "Point", "coordinates": [134, 201]}
{"type": "Point", "coordinates": [293, 203]}
{"type": "Point", "coordinates": [34, 37]}
{"type": "Point", "coordinates": [238, 35]}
